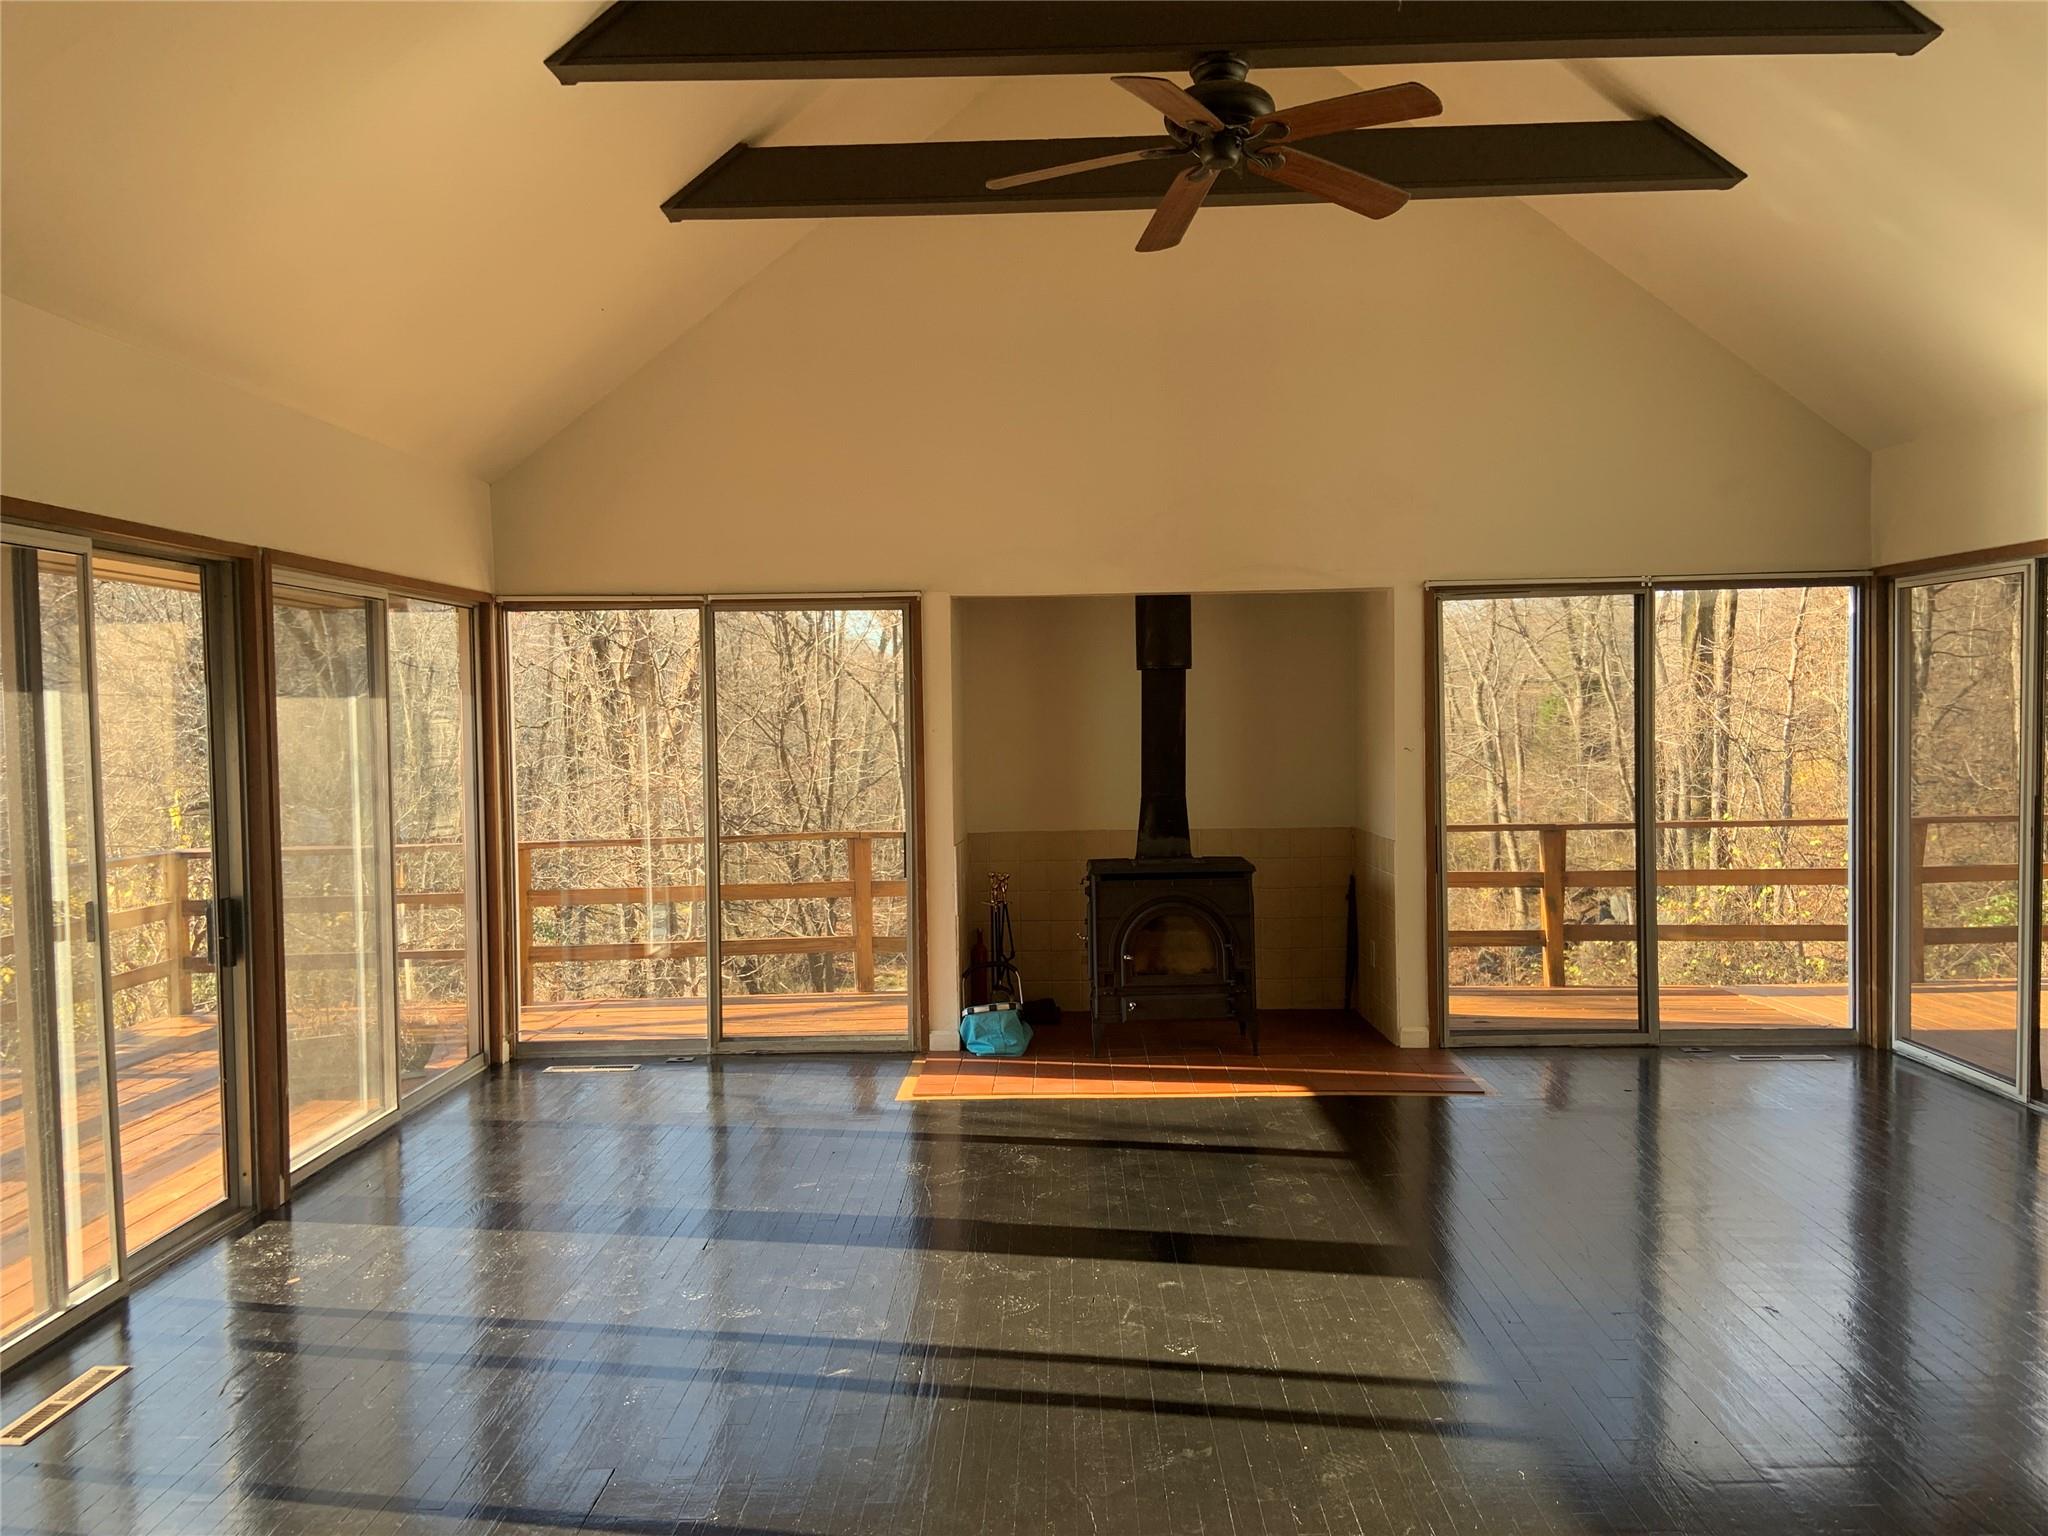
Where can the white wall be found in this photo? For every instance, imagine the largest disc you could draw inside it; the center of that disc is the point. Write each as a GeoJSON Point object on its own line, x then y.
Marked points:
{"type": "Point", "coordinates": [1977, 485]}
{"type": "Point", "coordinates": [1021, 405]}
{"type": "Point", "coordinates": [1050, 710]}
{"type": "Point", "coordinates": [100, 426]}
{"type": "Point", "coordinates": [939, 792]}
{"type": "Point", "coordinates": [1377, 817]}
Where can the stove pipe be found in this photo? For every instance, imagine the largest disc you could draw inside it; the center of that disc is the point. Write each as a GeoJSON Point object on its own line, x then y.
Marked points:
{"type": "Point", "coordinates": [1165, 652]}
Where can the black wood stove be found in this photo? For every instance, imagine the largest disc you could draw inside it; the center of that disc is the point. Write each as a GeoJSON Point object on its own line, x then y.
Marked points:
{"type": "Point", "coordinates": [1169, 935]}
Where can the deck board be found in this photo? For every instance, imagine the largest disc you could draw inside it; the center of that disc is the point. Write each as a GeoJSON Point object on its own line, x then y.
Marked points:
{"type": "Point", "coordinates": [781, 1016]}
{"type": "Point", "coordinates": [1971, 1021]}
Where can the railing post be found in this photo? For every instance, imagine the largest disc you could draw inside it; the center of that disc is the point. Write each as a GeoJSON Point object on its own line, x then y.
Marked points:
{"type": "Point", "coordinates": [1916, 912]}
{"type": "Point", "coordinates": [522, 918]}
{"type": "Point", "coordinates": [860, 864]}
{"type": "Point", "coordinates": [176, 885]}
{"type": "Point", "coordinates": [1550, 863]}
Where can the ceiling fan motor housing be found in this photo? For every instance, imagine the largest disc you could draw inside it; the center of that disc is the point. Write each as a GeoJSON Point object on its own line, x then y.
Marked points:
{"type": "Point", "coordinates": [1221, 86]}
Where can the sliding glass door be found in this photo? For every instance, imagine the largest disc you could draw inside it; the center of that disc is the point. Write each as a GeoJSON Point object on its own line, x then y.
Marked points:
{"type": "Point", "coordinates": [120, 993]}
{"type": "Point", "coordinates": [59, 1207]}
{"type": "Point", "coordinates": [339, 1043]}
{"type": "Point", "coordinates": [1754, 790]}
{"type": "Point", "coordinates": [813, 774]}
{"type": "Point", "coordinates": [431, 653]}
{"type": "Point", "coordinates": [611, 865]}
{"type": "Point", "coordinates": [377, 797]}
{"type": "Point", "coordinates": [711, 850]}
{"type": "Point", "coordinates": [1679, 749]}
{"type": "Point", "coordinates": [157, 716]}
{"type": "Point", "coordinates": [1537, 704]}
{"type": "Point", "coordinates": [1962, 657]}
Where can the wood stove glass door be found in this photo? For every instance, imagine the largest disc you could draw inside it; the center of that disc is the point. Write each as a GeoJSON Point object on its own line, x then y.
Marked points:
{"type": "Point", "coordinates": [1171, 945]}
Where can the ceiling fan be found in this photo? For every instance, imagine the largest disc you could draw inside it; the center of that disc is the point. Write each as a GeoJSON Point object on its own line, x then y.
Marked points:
{"type": "Point", "coordinates": [1225, 123]}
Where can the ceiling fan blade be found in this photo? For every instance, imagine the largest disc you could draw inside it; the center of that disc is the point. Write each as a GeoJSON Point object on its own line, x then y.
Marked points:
{"type": "Point", "coordinates": [1025, 178]}
{"type": "Point", "coordinates": [1169, 100]}
{"type": "Point", "coordinates": [1332, 182]}
{"type": "Point", "coordinates": [1361, 109]}
{"type": "Point", "coordinates": [1177, 209]}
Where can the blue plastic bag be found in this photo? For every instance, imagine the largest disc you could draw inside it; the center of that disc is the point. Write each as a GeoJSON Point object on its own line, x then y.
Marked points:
{"type": "Point", "coordinates": [994, 1032]}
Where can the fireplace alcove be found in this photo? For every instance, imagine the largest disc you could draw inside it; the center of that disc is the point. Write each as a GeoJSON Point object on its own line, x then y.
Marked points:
{"type": "Point", "coordinates": [1278, 764]}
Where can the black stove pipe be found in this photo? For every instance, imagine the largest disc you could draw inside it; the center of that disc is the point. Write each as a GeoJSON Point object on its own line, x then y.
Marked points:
{"type": "Point", "coordinates": [1165, 652]}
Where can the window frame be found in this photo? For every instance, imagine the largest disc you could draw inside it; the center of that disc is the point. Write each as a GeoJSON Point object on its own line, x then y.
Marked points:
{"type": "Point", "coordinates": [224, 574]}
{"type": "Point", "coordinates": [917, 1033]}
{"type": "Point", "coordinates": [1650, 1029]}
{"type": "Point", "coordinates": [2026, 1086]}
{"type": "Point", "coordinates": [303, 574]}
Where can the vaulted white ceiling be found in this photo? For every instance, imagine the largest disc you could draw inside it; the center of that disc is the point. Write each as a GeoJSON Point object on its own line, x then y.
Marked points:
{"type": "Point", "coordinates": [391, 217]}
{"type": "Point", "coordinates": [1887, 260]}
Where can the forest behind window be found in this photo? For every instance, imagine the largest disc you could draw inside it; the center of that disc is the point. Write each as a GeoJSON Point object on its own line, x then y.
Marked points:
{"type": "Point", "coordinates": [1749, 774]}
{"type": "Point", "coordinates": [608, 713]}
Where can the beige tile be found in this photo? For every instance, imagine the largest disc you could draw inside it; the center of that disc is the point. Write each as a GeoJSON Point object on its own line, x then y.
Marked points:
{"type": "Point", "coordinates": [1037, 876]}
{"type": "Point", "coordinates": [1035, 935]}
{"type": "Point", "coordinates": [1068, 903]}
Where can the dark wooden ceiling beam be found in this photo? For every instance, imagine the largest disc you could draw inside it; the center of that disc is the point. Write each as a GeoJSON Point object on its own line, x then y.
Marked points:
{"type": "Point", "coordinates": [818, 181]}
{"type": "Point", "coordinates": [879, 39]}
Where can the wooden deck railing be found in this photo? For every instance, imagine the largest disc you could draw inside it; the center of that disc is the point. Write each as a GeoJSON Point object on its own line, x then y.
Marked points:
{"type": "Point", "coordinates": [1553, 877]}
{"type": "Point", "coordinates": [175, 908]}
{"type": "Point", "coordinates": [860, 889]}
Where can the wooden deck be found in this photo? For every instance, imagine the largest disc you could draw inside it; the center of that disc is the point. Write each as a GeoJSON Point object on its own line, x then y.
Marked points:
{"type": "Point", "coordinates": [173, 1161]}
{"type": "Point", "coordinates": [681, 1020]}
{"type": "Point", "coordinates": [1971, 1022]}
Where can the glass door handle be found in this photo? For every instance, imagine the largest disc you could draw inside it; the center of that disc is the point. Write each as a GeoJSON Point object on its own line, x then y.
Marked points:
{"type": "Point", "coordinates": [223, 932]}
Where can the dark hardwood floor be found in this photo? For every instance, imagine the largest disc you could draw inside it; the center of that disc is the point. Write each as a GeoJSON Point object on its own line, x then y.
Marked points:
{"type": "Point", "coordinates": [1624, 1292]}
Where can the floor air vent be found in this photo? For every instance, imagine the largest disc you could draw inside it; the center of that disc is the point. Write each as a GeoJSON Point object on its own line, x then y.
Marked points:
{"type": "Point", "coordinates": [592, 1069]}
{"type": "Point", "coordinates": [1783, 1056]}
{"type": "Point", "coordinates": [59, 1403]}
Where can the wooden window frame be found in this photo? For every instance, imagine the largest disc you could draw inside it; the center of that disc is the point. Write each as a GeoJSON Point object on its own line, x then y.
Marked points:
{"type": "Point", "coordinates": [263, 1112]}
